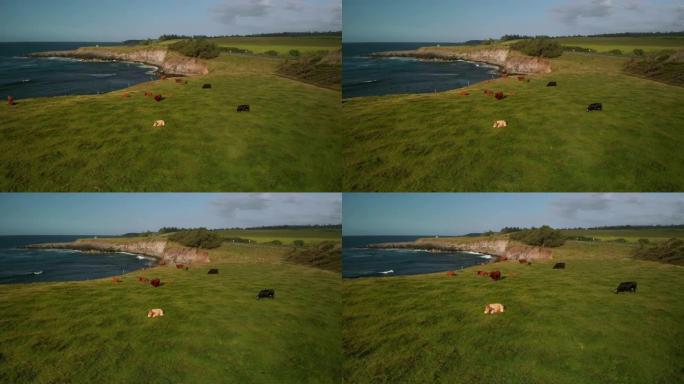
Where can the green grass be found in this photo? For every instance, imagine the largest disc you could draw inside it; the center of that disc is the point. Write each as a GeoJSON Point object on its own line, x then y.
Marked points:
{"type": "Point", "coordinates": [631, 235]}
{"type": "Point", "coordinates": [214, 330]}
{"type": "Point", "coordinates": [445, 142]}
{"type": "Point", "coordinates": [560, 326]}
{"type": "Point", "coordinates": [290, 141]}
{"type": "Point", "coordinates": [282, 45]}
{"type": "Point", "coordinates": [286, 236]}
{"type": "Point", "coordinates": [626, 44]}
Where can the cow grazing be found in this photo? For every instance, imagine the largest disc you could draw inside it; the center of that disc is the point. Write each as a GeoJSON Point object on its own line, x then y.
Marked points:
{"type": "Point", "coordinates": [157, 312]}
{"type": "Point", "coordinates": [206, 86]}
{"type": "Point", "coordinates": [500, 124]}
{"type": "Point", "coordinates": [495, 275]}
{"type": "Point", "coordinates": [494, 308]}
{"type": "Point", "coordinates": [10, 100]}
{"type": "Point", "coordinates": [266, 293]}
{"type": "Point", "coordinates": [595, 107]}
{"type": "Point", "coordinates": [155, 282]}
{"type": "Point", "coordinates": [488, 92]}
{"type": "Point", "coordinates": [451, 273]}
{"type": "Point", "coordinates": [559, 266]}
{"type": "Point", "coordinates": [159, 123]}
{"type": "Point", "coordinates": [213, 271]}
{"type": "Point", "coordinates": [159, 98]}
{"type": "Point", "coordinates": [628, 286]}
{"type": "Point", "coordinates": [116, 279]}
{"type": "Point", "coordinates": [143, 279]}
{"type": "Point", "coordinates": [522, 261]}
{"type": "Point", "coordinates": [243, 108]}
{"type": "Point", "coordinates": [551, 84]}
{"type": "Point", "coordinates": [499, 95]}
{"type": "Point", "coordinates": [482, 273]}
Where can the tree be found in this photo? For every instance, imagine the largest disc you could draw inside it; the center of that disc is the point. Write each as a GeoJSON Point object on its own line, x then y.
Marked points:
{"type": "Point", "coordinates": [638, 52]}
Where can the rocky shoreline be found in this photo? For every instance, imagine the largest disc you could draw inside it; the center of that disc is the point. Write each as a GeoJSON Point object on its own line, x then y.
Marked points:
{"type": "Point", "coordinates": [499, 57]}
{"type": "Point", "coordinates": [165, 63]}
{"type": "Point", "coordinates": [158, 249]}
{"type": "Point", "coordinates": [497, 248]}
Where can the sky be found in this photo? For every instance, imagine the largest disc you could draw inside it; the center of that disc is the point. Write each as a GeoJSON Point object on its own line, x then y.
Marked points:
{"type": "Point", "coordinates": [461, 213]}
{"type": "Point", "coordinates": [115, 214]}
{"type": "Point", "coordinates": [118, 20]}
{"type": "Point", "coordinates": [461, 20]}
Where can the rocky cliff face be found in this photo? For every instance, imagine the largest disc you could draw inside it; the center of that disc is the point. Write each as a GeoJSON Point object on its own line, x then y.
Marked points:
{"type": "Point", "coordinates": [496, 247]}
{"type": "Point", "coordinates": [170, 64]}
{"type": "Point", "coordinates": [155, 248]}
{"type": "Point", "coordinates": [501, 57]}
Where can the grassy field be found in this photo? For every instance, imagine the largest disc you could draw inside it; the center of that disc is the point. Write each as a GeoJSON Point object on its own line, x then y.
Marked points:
{"type": "Point", "coordinates": [214, 329]}
{"type": "Point", "coordinates": [282, 45]}
{"type": "Point", "coordinates": [626, 44]}
{"type": "Point", "coordinates": [445, 142]}
{"type": "Point", "coordinates": [286, 236]}
{"type": "Point", "coordinates": [630, 235]}
{"type": "Point", "coordinates": [560, 326]}
{"type": "Point", "coordinates": [290, 141]}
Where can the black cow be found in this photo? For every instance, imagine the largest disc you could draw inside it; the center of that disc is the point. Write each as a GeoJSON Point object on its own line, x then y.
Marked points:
{"type": "Point", "coordinates": [595, 107]}
{"type": "Point", "coordinates": [243, 108]}
{"type": "Point", "coordinates": [266, 293]}
{"type": "Point", "coordinates": [628, 286]}
{"type": "Point", "coordinates": [213, 271]}
{"type": "Point", "coordinates": [559, 266]}
{"type": "Point", "coordinates": [551, 84]}
{"type": "Point", "coordinates": [206, 86]}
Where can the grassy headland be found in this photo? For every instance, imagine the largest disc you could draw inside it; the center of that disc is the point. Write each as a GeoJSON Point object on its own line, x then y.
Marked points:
{"type": "Point", "coordinates": [445, 141]}
{"type": "Point", "coordinates": [214, 329]}
{"type": "Point", "coordinates": [560, 326]}
{"type": "Point", "coordinates": [290, 141]}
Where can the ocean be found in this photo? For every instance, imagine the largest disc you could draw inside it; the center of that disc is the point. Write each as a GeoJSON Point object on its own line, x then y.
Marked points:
{"type": "Point", "coordinates": [22, 265]}
{"type": "Point", "coordinates": [24, 77]}
{"type": "Point", "coordinates": [365, 76]}
{"type": "Point", "coordinates": [360, 261]}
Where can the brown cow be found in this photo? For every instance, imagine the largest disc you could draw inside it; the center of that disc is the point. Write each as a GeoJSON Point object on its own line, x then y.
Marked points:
{"type": "Point", "coordinates": [143, 279]}
{"type": "Point", "coordinates": [116, 279]}
{"type": "Point", "coordinates": [482, 273]}
{"type": "Point", "coordinates": [451, 273]}
{"type": "Point", "coordinates": [495, 275]}
{"type": "Point", "coordinates": [494, 308]}
{"type": "Point", "coordinates": [155, 282]}
{"type": "Point", "coordinates": [499, 95]}
{"type": "Point", "coordinates": [10, 100]}
{"type": "Point", "coordinates": [159, 98]}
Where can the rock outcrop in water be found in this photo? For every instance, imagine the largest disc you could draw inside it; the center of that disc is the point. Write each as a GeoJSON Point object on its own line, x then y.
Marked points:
{"type": "Point", "coordinates": [157, 248]}
{"type": "Point", "coordinates": [169, 63]}
{"type": "Point", "coordinates": [501, 57]}
{"type": "Point", "coordinates": [496, 247]}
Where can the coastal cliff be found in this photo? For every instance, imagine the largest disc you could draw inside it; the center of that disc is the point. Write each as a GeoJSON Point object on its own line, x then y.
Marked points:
{"type": "Point", "coordinates": [502, 57]}
{"type": "Point", "coordinates": [169, 63]}
{"type": "Point", "coordinates": [496, 247]}
{"type": "Point", "coordinates": [157, 248]}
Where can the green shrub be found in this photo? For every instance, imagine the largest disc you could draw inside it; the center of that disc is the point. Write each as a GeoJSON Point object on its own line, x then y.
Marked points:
{"type": "Point", "coordinates": [573, 48]}
{"type": "Point", "coordinates": [235, 50]}
{"type": "Point", "coordinates": [201, 48]}
{"type": "Point", "coordinates": [638, 52]}
{"type": "Point", "coordinates": [544, 236]}
{"type": "Point", "coordinates": [541, 47]}
{"type": "Point", "coordinates": [197, 238]}
{"type": "Point", "coordinates": [275, 242]}
{"type": "Point", "coordinates": [671, 251]}
{"type": "Point", "coordinates": [615, 52]}
{"type": "Point", "coordinates": [271, 53]}
{"type": "Point", "coordinates": [294, 53]}
{"type": "Point", "coordinates": [298, 243]}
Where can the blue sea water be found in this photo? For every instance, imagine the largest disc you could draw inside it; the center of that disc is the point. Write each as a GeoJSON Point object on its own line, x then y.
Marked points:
{"type": "Point", "coordinates": [22, 265]}
{"type": "Point", "coordinates": [24, 77]}
{"type": "Point", "coordinates": [360, 261]}
{"type": "Point", "coordinates": [366, 76]}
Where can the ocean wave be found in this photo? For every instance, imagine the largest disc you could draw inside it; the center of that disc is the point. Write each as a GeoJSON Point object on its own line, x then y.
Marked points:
{"type": "Point", "coordinates": [63, 59]}
{"type": "Point", "coordinates": [101, 74]}
{"type": "Point", "coordinates": [18, 82]}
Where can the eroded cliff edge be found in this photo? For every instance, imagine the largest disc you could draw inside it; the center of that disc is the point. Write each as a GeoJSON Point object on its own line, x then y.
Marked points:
{"type": "Point", "coordinates": [510, 62]}
{"type": "Point", "coordinates": [169, 63]}
{"type": "Point", "coordinates": [497, 247]}
{"type": "Point", "coordinates": [157, 248]}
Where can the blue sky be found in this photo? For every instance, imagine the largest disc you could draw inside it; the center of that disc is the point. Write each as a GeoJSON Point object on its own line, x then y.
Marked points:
{"type": "Point", "coordinates": [118, 20]}
{"type": "Point", "coordinates": [459, 20]}
{"type": "Point", "coordinates": [461, 213]}
{"type": "Point", "coordinates": [111, 214]}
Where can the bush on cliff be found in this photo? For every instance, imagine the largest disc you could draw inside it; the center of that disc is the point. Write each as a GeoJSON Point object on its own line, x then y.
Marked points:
{"type": "Point", "coordinates": [539, 47]}
{"type": "Point", "coordinates": [544, 236]}
{"type": "Point", "coordinates": [201, 48]}
{"type": "Point", "coordinates": [199, 238]}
